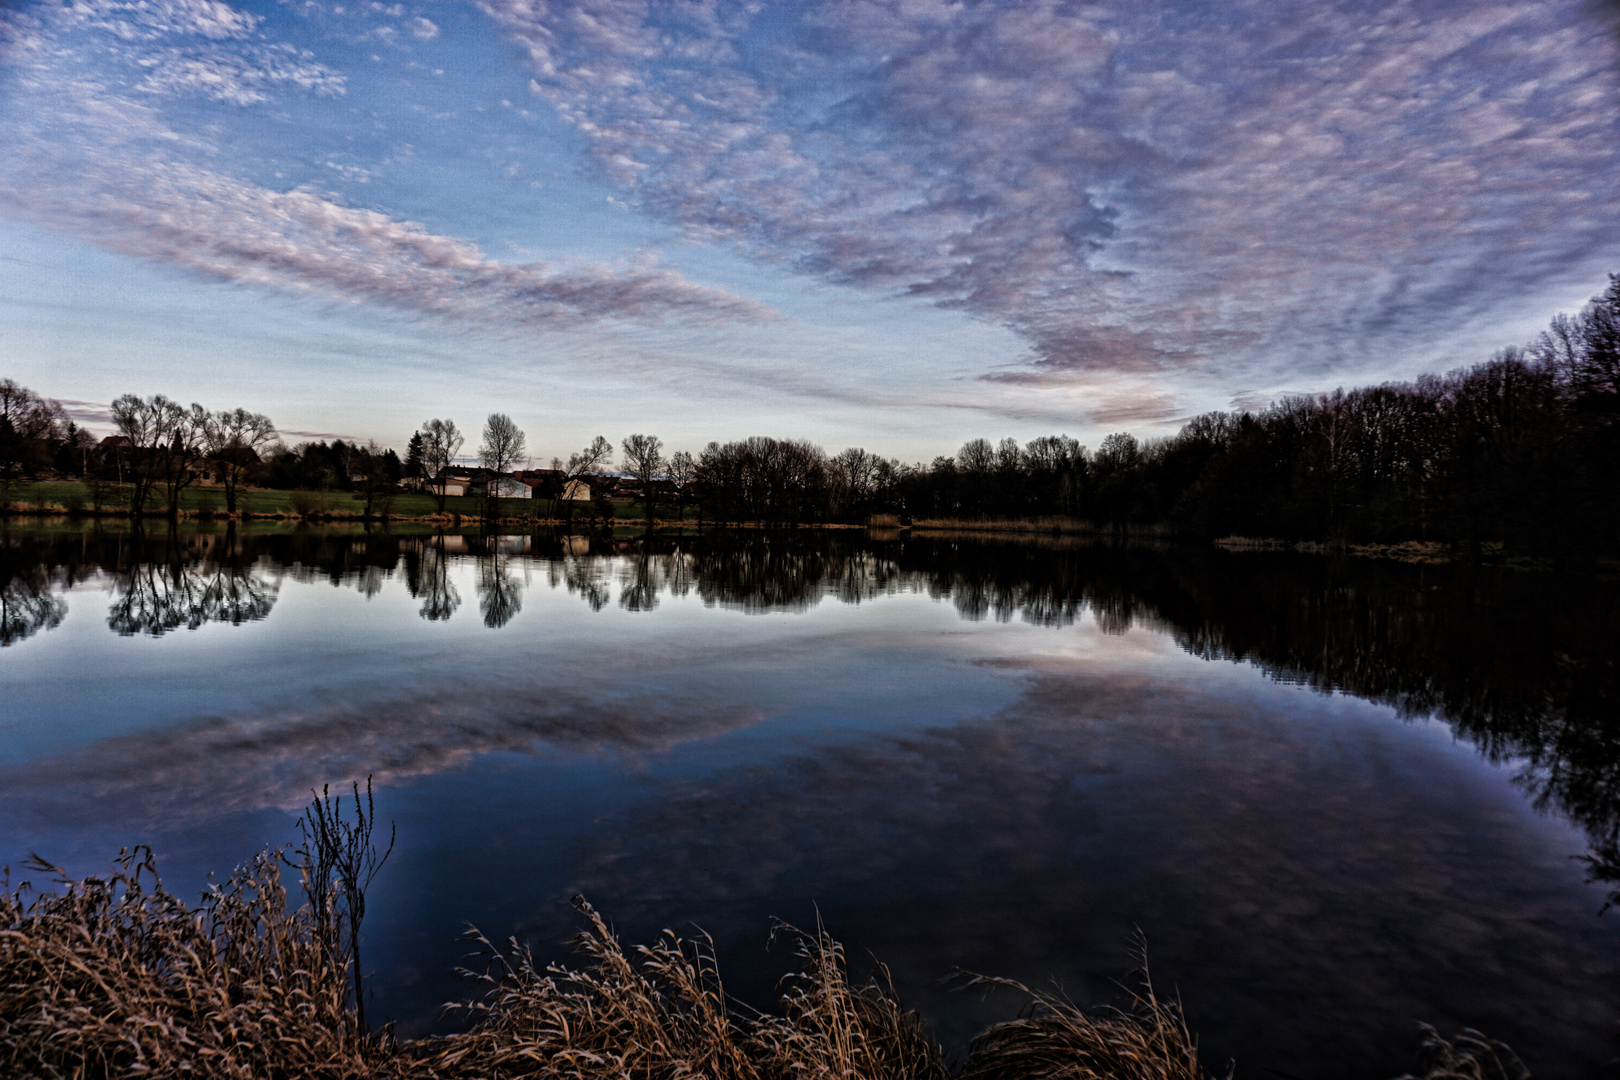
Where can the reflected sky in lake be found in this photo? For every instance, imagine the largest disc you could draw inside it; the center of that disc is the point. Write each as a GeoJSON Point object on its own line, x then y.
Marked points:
{"type": "Point", "coordinates": [1006, 759]}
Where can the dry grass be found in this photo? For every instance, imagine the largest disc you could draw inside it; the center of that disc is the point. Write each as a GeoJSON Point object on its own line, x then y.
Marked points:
{"type": "Point", "coordinates": [115, 977]}
{"type": "Point", "coordinates": [1054, 1040]}
{"type": "Point", "coordinates": [1470, 1056]}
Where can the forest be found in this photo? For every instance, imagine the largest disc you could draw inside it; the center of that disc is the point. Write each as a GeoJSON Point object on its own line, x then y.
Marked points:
{"type": "Point", "coordinates": [1519, 452]}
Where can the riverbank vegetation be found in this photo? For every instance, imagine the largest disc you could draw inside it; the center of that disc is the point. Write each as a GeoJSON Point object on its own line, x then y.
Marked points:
{"type": "Point", "coordinates": [114, 976]}
{"type": "Point", "coordinates": [1518, 453]}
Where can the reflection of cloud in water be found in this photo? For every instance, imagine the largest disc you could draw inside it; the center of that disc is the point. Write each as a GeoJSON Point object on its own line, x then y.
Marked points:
{"type": "Point", "coordinates": [1313, 889]}
{"type": "Point", "coordinates": [225, 764]}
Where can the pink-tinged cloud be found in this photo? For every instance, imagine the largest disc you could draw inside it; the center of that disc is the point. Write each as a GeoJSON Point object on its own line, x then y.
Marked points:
{"type": "Point", "coordinates": [1127, 186]}
{"type": "Point", "coordinates": [97, 158]}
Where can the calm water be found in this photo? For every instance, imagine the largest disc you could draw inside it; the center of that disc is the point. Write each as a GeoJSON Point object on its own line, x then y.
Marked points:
{"type": "Point", "coordinates": [1335, 797]}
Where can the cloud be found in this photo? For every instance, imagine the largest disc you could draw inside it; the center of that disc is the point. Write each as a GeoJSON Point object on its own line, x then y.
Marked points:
{"type": "Point", "coordinates": [424, 29]}
{"type": "Point", "coordinates": [93, 152]}
{"type": "Point", "coordinates": [1265, 852]}
{"type": "Point", "coordinates": [1128, 187]}
{"type": "Point", "coordinates": [200, 770]}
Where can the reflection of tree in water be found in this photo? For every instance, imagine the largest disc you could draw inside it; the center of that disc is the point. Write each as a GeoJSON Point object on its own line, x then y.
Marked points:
{"type": "Point", "coordinates": [584, 575]}
{"type": "Point", "coordinates": [647, 573]}
{"type": "Point", "coordinates": [427, 575]}
{"type": "Point", "coordinates": [1523, 665]}
{"type": "Point", "coordinates": [500, 594]}
{"type": "Point", "coordinates": [27, 604]}
{"type": "Point", "coordinates": [189, 587]}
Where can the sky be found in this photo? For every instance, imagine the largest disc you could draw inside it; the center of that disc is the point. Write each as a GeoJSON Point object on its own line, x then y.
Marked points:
{"type": "Point", "coordinates": [898, 224]}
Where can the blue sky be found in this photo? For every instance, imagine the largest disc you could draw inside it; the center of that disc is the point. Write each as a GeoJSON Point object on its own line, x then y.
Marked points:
{"type": "Point", "coordinates": [894, 223]}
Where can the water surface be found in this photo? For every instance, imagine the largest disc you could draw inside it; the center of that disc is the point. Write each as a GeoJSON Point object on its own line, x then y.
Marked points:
{"type": "Point", "coordinates": [1334, 797]}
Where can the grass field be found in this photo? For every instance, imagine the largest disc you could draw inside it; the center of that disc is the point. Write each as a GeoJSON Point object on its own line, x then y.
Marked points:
{"type": "Point", "coordinates": [72, 496]}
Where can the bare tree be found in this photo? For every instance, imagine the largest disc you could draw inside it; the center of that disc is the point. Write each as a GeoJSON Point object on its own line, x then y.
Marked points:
{"type": "Point", "coordinates": [503, 449]}
{"type": "Point", "coordinates": [441, 442]}
{"type": "Point", "coordinates": [166, 443]}
{"type": "Point", "coordinates": [234, 440]}
{"type": "Point", "coordinates": [580, 465]}
{"type": "Point", "coordinates": [378, 472]}
{"type": "Point", "coordinates": [682, 470]}
{"type": "Point", "coordinates": [853, 472]}
{"type": "Point", "coordinates": [644, 459]}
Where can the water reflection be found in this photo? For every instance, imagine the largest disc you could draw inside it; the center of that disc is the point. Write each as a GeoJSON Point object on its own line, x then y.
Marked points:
{"type": "Point", "coordinates": [210, 581]}
{"type": "Point", "coordinates": [28, 602]}
{"type": "Point", "coordinates": [427, 575]}
{"type": "Point", "coordinates": [1350, 851]}
{"type": "Point", "coordinates": [1523, 665]}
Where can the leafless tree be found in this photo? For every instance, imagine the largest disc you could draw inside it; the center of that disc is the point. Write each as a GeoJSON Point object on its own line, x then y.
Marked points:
{"type": "Point", "coordinates": [502, 450]}
{"type": "Point", "coordinates": [166, 444]}
{"type": "Point", "coordinates": [853, 472]}
{"type": "Point", "coordinates": [234, 440]}
{"type": "Point", "coordinates": [378, 478]}
{"type": "Point", "coordinates": [644, 459]}
{"type": "Point", "coordinates": [682, 469]}
{"type": "Point", "coordinates": [580, 465]}
{"type": "Point", "coordinates": [441, 442]}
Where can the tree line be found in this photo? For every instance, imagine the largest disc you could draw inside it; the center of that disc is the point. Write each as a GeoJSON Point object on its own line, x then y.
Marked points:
{"type": "Point", "coordinates": [1521, 450]}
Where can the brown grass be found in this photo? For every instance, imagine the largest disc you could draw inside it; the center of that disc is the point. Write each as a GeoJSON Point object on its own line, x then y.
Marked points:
{"type": "Point", "coordinates": [1054, 1040]}
{"type": "Point", "coordinates": [115, 977]}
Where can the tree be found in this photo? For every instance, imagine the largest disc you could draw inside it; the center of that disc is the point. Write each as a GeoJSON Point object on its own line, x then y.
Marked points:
{"type": "Point", "coordinates": [166, 442]}
{"type": "Point", "coordinates": [502, 449]}
{"type": "Point", "coordinates": [234, 440]}
{"type": "Point", "coordinates": [28, 426]}
{"type": "Point", "coordinates": [580, 465]}
{"type": "Point", "coordinates": [644, 459]}
{"type": "Point", "coordinates": [441, 442]}
{"type": "Point", "coordinates": [853, 473]}
{"type": "Point", "coordinates": [378, 470]}
{"type": "Point", "coordinates": [682, 470]}
{"type": "Point", "coordinates": [413, 457]}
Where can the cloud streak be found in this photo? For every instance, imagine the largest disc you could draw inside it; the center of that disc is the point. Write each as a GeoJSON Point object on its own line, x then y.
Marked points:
{"type": "Point", "coordinates": [94, 154]}
{"type": "Point", "coordinates": [1129, 188]}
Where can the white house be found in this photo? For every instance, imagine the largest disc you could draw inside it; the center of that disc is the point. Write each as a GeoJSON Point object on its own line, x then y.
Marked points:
{"type": "Point", "coordinates": [507, 488]}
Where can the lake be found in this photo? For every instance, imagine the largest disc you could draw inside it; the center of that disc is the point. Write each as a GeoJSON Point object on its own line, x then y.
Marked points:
{"type": "Point", "coordinates": [1334, 797]}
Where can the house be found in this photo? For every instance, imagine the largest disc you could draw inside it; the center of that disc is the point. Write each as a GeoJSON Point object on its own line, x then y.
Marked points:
{"type": "Point", "coordinates": [508, 488]}
{"type": "Point", "coordinates": [452, 482]}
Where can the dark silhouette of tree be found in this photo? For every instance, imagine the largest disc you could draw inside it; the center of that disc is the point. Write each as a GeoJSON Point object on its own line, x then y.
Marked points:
{"type": "Point", "coordinates": [441, 442]}
{"type": "Point", "coordinates": [234, 439]}
{"type": "Point", "coordinates": [172, 589]}
{"type": "Point", "coordinates": [27, 602]}
{"type": "Point", "coordinates": [644, 460]}
{"type": "Point", "coordinates": [29, 425]}
{"type": "Point", "coordinates": [431, 581]}
{"type": "Point", "coordinates": [500, 594]}
{"type": "Point", "coordinates": [414, 466]}
{"type": "Point", "coordinates": [579, 468]}
{"type": "Point", "coordinates": [682, 469]}
{"type": "Point", "coordinates": [501, 451]}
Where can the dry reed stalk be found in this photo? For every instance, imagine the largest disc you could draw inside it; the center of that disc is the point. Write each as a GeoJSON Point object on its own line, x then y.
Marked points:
{"type": "Point", "coordinates": [116, 977]}
{"type": "Point", "coordinates": [1054, 1040]}
{"type": "Point", "coordinates": [1470, 1056]}
{"type": "Point", "coordinates": [662, 1017]}
{"type": "Point", "coordinates": [832, 1030]}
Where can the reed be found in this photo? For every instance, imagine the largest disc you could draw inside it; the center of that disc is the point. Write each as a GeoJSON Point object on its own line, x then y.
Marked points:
{"type": "Point", "coordinates": [113, 976]}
